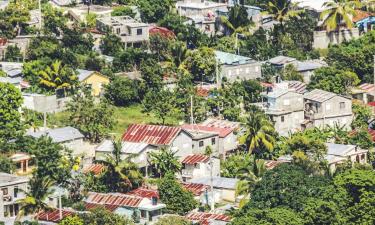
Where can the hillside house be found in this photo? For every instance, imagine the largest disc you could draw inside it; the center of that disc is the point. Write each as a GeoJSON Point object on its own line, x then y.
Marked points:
{"type": "Point", "coordinates": [23, 162]}
{"type": "Point", "coordinates": [208, 218]}
{"type": "Point", "coordinates": [197, 165]}
{"type": "Point", "coordinates": [78, 14]}
{"type": "Point", "coordinates": [10, 194]}
{"type": "Point", "coordinates": [324, 108]}
{"type": "Point", "coordinates": [364, 92]}
{"type": "Point", "coordinates": [95, 80]}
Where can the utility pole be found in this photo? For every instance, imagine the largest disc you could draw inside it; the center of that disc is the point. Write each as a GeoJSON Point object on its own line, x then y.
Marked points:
{"type": "Point", "coordinates": [217, 74]}
{"type": "Point", "coordinates": [191, 110]}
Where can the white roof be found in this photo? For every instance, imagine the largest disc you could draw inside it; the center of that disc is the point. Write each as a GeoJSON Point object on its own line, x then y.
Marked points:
{"type": "Point", "coordinates": [316, 5]}
{"type": "Point", "coordinates": [339, 149]}
{"type": "Point", "coordinates": [7, 179]}
{"type": "Point", "coordinates": [59, 135]}
{"type": "Point", "coordinates": [127, 147]}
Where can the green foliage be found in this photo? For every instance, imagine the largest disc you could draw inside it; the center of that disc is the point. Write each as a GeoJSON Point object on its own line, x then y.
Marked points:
{"type": "Point", "coordinates": [104, 217]}
{"type": "Point", "coordinates": [71, 220]}
{"type": "Point", "coordinates": [130, 60]}
{"type": "Point", "coordinates": [177, 199]}
{"type": "Point", "coordinates": [233, 165]}
{"type": "Point", "coordinates": [337, 12]}
{"type": "Point", "coordinates": [91, 20]}
{"type": "Point", "coordinates": [201, 63]}
{"type": "Point", "coordinates": [237, 20]}
{"type": "Point", "coordinates": [123, 91]}
{"type": "Point", "coordinates": [175, 220]}
{"type": "Point", "coordinates": [13, 19]}
{"type": "Point", "coordinates": [111, 44]}
{"type": "Point", "coordinates": [13, 54]}
{"type": "Point", "coordinates": [10, 118]}
{"type": "Point", "coordinates": [290, 73]}
{"type": "Point", "coordinates": [77, 41]}
{"type": "Point", "coordinates": [154, 10]}
{"type": "Point", "coordinates": [281, 10]}
{"type": "Point", "coordinates": [318, 211]}
{"type": "Point", "coordinates": [6, 164]}
{"type": "Point", "coordinates": [94, 120]}
{"type": "Point", "coordinates": [152, 74]}
{"type": "Point", "coordinates": [53, 20]}
{"type": "Point", "coordinates": [123, 11]}
{"type": "Point", "coordinates": [227, 44]}
{"type": "Point", "coordinates": [165, 161]}
{"type": "Point", "coordinates": [362, 115]}
{"type": "Point", "coordinates": [333, 80]}
{"type": "Point", "coordinates": [160, 46]}
{"type": "Point", "coordinates": [278, 216]}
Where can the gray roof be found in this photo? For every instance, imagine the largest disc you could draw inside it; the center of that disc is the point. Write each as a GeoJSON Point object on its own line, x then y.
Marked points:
{"type": "Point", "coordinates": [218, 182]}
{"type": "Point", "coordinates": [318, 95]}
{"type": "Point", "coordinates": [14, 72]}
{"type": "Point", "coordinates": [308, 65]}
{"type": "Point", "coordinates": [339, 149]}
{"type": "Point", "coordinates": [15, 81]}
{"type": "Point", "coordinates": [59, 135]}
{"type": "Point", "coordinates": [9, 179]}
{"type": "Point", "coordinates": [281, 60]}
{"type": "Point", "coordinates": [232, 59]}
{"type": "Point", "coordinates": [127, 147]}
{"type": "Point", "coordinates": [83, 74]}
{"type": "Point", "coordinates": [277, 93]}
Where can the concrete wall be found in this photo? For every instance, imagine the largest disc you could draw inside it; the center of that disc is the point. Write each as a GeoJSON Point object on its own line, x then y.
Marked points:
{"type": "Point", "coordinates": [228, 143]}
{"type": "Point", "coordinates": [20, 195]}
{"type": "Point", "coordinates": [248, 71]}
{"type": "Point", "coordinates": [201, 170]}
{"type": "Point", "coordinates": [291, 101]}
{"type": "Point", "coordinates": [97, 83]}
{"type": "Point", "coordinates": [197, 149]}
{"type": "Point", "coordinates": [323, 38]}
{"type": "Point", "coordinates": [290, 122]}
{"type": "Point", "coordinates": [43, 103]}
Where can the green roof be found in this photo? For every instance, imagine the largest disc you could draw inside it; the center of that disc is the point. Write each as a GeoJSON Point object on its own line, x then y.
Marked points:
{"type": "Point", "coordinates": [232, 59]}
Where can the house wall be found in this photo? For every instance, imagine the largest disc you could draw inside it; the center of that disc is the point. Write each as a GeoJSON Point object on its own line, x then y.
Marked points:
{"type": "Point", "coordinates": [183, 144]}
{"type": "Point", "coordinates": [291, 101]}
{"type": "Point", "coordinates": [97, 83]}
{"type": "Point", "coordinates": [292, 122]}
{"type": "Point", "coordinates": [13, 201]}
{"type": "Point", "coordinates": [307, 75]}
{"type": "Point", "coordinates": [248, 71]}
{"type": "Point", "coordinates": [199, 146]}
{"type": "Point", "coordinates": [323, 38]}
{"type": "Point", "coordinates": [228, 143]}
{"type": "Point", "coordinates": [228, 195]}
{"type": "Point", "coordinates": [43, 103]}
{"type": "Point", "coordinates": [201, 170]}
{"type": "Point", "coordinates": [75, 145]}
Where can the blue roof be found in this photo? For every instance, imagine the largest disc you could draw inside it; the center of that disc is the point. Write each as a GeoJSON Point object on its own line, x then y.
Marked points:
{"type": "Point", "coordinates": [232, 59]}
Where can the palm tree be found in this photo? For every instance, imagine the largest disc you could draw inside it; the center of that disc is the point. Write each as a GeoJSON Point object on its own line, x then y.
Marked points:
{"type": "Point", "coordinates": [179, 53]}
{"type": "Point", "coordinates": [237, 21]}
{"type": "Point", "coordinates": [259, 132]}
{"type": "Point", "coordinates": [338, 12]}
{"type": "Point", "coordinates": [36, 195]}
{"type": "Point", "coordinates": [338, 133]}
{"type": "Point", "coordinates": [282, 10]}
{"type": "Point", "coordinates": [369, 4]}
{"type": "Point", "coordinates": [165, 161]}
{"type": "Point", "coordinates": [57, 76]}
{"type": "Point", "coordinates": [250, 176]}
{"type": "Point", "coordinates": [121, 175]}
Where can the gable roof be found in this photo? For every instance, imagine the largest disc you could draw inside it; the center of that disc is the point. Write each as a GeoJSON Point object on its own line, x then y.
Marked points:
{"type": "Point", "coordinates": [195, 158]}
{"type": "Point", "coordinates": [298, 86]}
{"type": "Point", "coordinates": [360, 15]}
{"type": "Point", "coordinates": [218, 182]}
{"type": "Point", "coordinates": [369, 88]}
{"type": "Point", "coordinates": [221, 131]}
{"type": "Point", "coordinates": [339, 149]}
{"type": "Point", "coordinates": [54, 215]}
{"type": "Point", "coordinates": [84, 74]}
{"type": "Point", "coordinates": [95, 169]}
{"type": "Point", "coordinates": [113, 199]}
{"type": "Point", "coordinates": [307, 65]}
{"type": "Point", "coordinates": [59, 135]}
{"type": "Point", "coordinates": [144, 193]}
{"type": "Point", "coordinates": [151, 134]}
{"type": "Point", "coordinates": [205, 218]}
{"type": "Point", "coordinates": [281, 60]}
{"type": "Point", "coordinates": [232, 59]}
{"type": "Point", "coordinates": [196, 189]}
{"type": "Point", "coordinates": [318, 95]}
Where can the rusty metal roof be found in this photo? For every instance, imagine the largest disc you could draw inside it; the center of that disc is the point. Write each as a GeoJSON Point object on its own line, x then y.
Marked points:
{"type": "Point", "coordinates": [90, 206]}
{"type": "Point", "coordinates": [196, 189]}
{"type": "Point", "coordinates": [144, 192]}
{"type": "Point", "coordinates": [195, 158]}
{"type": "Point", "coordinates": [54, 215]}
{"type": "Point", "coordinates": [113, 199]}
{"type": "Point", "coordinates": [204, 217]}
{"type": "Point", "coordinates": [95, 169]}
{"type": "Point", "coordinates": [151, 134]}
{"type": "Point", "coordinates": [319, 95]}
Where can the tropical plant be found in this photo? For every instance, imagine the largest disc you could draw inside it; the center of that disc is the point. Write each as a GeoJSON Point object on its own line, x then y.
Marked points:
{"type": "Point", "coordinates": [57, 76]}
{"type": "Point", "coordinates": [282, 10]}
{"type": "Point", "coordinates": [165, 161]}
{"type": "Point", "coordinates": [338, 133]}
{"type": "Point", "coordinates": [237, 21]}
{"type": "Point", "coordinates": [337, 12]}
{"type": "Point", "coordinates": [121, 175]}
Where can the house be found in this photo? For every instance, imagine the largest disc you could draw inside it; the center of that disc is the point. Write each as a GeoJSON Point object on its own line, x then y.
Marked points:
{"type": "Point", "coordinates": [18, 82]}
{"type": "Point", "coordinates": [286, 109]}
{"type": "Point", "coordinates": [364, 20]}
{"type": "Point", "coordinates": [162, 31]}
{"type": "Point", "coordinates": [364, 92]}
{"type": "Point", "coordinates": [145, 202]}
{"type": "Point", "coordinates": [12, 69]}
{"type": "Point", "coordinates": [93, 79]}
{"type": "Point", "coordinates": [198, 165]}
{"type": "Point", "coordinates": [53, 216]}
{"type": "Point", "coordinates": [78, 14]}
{"type": "Point", "coordinates": [141, 150]}
{"type": "Point", "coordinates": [235, 67]}
{"type": "Point", "coordinates": [324, 108]}
{"type": "Point", "coordinates": [308, 67]}
{"type": "Point", "coordinates": [23, 162]}
{"type": "Point", "coordinates": [224, 188]}
{"type": "Point", "coordinates": [43, 103]}
{"type": "Point", "coordinates": [281, 61]}
{"type": "Point", "coordinates": [132, 32]}
{"type": "Point", "coordinates": [10, 194]}
{"type": "Point", "coordinates": [205, 218]}
{"type": "Point", "coordinates": [200, 191]}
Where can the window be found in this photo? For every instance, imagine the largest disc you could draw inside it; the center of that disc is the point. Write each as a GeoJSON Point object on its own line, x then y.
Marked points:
{"type": "Point", "coordinates": [139, 31]}
{"type": "Point", "coordinates": [282, 119]}
{"type": "Point", "coordinates": [213, 141]}
{"type": "Point", "coordinates": [5, 191]}
{"type": "Point", "coordinates": [342, 105]}
{"type": "Point", "coordinates": [201, 143]}
{"type": "Point", "coordinates": [15, 191]}
{"type": "Point", "coordinates": [118, 30]}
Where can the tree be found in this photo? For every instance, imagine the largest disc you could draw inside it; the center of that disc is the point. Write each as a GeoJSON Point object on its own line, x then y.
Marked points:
{"type": "Point", "coordinates": [75, 40]}
{"type": "Point", "coordinates": [318, 211]}
{"type": "Point", "coordinates": [53, 20]}
{"type": "Point", "coordinates": [177, 199]}
{"type": "Point", "coordinates": [10, 117]}
{"type": "Point", "coordinates": [154, 10]}
{"type": "Point", "coordinates": [337, 12]}
{"type": "Point", "coordinates": [71, 220]}
{"type": "Point", "coordinates": [269, 216]}
{"type": "Point", "coordinates": [175, 220]}
{"type": "Point", "coordinates": [165, 161]}
{"type": "Point", "coordinates": [6, 164]}
{"type": "Point", "coordinates": [289, 72]}
{"type": "Point", "coordinates": [121, 175]}
{"type": "Point", "coordinates": [282, 10]}
{"type": "Point", "coordinates": [362, 115]}
{"type": "Point", "coordinates": [102, 216]}
{"type": "Point", "coordinates": [161, 103]}
{"type": "Point", "coordinates": [111, 44]}
{"type": "Point", "coordinates": [123, 91]}
{"type": "Point", "coordinates": [259, 132]}
{"type": "Point", "coordinates": [123, 11]}
{"type": "Point", "coordinates": [57, 76]}
{"type": "Point", "coordinates": [13, 54]}
{"type": "Point", "coordinates": [91, 20]}
{"type": "Point", "coordinates": [36, 196]}
{"type": "Point", "coordinates": [201, 63]}
{"type": "Point", "coordinates": [237, 21]}
{"type": "Point", "coordinates": [232, 166]}
{"type": "Point", "coordinates": [179, 52]}
{"type": "Point", "coordinates": [94, 120]}
{"type": "Point", "coordinates": [160, 45]}
{"type": "Point", "coordinates": [333, 80]}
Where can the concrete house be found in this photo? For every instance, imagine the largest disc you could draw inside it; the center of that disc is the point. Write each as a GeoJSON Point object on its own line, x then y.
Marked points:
{"type": "Point", "coordinates": [197, 165]}
{"type": "Point", "coordinates": [23, 162]}
{"type": "Point", "coordinates": [364, 92]}
{"type": "Point", "coordinates": [10, 194]}
{"type": "Point", "coordinates": [132, 32]}
{"type": "Point", "coordinates": [78, 14]}
{"type": "Point", "coordinates": [94, 79]}
{"type": "Point", "coordinates": [286, 109]}
{"type": "Point", "coordinates": [324, 108]}
{"type": "Point", "coordinates": [236, 67]}
{"type": "Point", "coordinates": [208, 218]}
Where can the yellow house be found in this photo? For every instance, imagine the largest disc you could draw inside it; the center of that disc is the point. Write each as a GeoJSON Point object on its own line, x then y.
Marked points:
{"type": "Point", "coordinates": [95, 79]}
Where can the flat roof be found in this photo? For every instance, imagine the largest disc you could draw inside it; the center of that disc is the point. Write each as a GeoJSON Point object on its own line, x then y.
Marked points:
{"type": "Point", "coordinates": [7, 179]}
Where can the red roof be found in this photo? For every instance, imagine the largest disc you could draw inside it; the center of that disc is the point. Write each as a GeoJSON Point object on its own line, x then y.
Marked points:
{"type": "Point", "coordinates": [195, 158]}
{"type": "Point", "coordinates": [371, 104]}
{"type": "Point", "coordinates": [3, 41]}
{"type": "Point", "coordinates": [202, 92]}
{"type": "Point", "coordinates": [360, 15]}
{"type": "Point", "coordinates": [90, 206]}
{"type": "Point", "coordinates": [54, 215]}
{"type": "Point", "coordinates": [372, 133]}
{"type": "Point", "coordinates": [272, 164]}
{"type": "Point", "coordinates": [162, 31]}
{"type": "Point", "coordinates": [221, 131]}
{"type": "Point", "coordinates": [367, 87]}
{"type": "Point", "coordinates": [144, 193]}
{"type": "Point", "coordinates": [204, 218]}
{"type": "Point", "coordinates": [151, 134]}
{"type": "Point", "coordinates": [113, 199]}
{"type": "Point", "coordinates": [267, 85]}
{"type": "Point", "coordinates": [95, 169]}
{"type": "Point", "coordinates": [196, 189]}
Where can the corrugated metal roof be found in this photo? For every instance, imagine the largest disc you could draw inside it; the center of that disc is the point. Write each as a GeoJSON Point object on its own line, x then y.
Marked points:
{"type": "Point", "coordinates": [151, 134]}
{"type": "Point", "coordinates": [212, 122]}
{"type": "Point", "coordinates": [298, 86]}
{"type": "Point", "coordinates": [195, 158]}
{"type": "Point", "coordinates": [302, 66]}
{"type": "Point", "coordinates": [90, 206]}
{"type": "Point", "coordinates": [59, 135]}
{"type": "Point", "coordinates": [277, 92]}
{"type": "Point", "coordinates": [127, 147]}
{"type": "Point", "coordinates": [54, 215]}
{"type": "Point", "coordinates": [113, 199]}
{"type": "Point", "coordinates": [95, 168]}
{"type": "Point", "coordinates": [222, 132]}
{"type": "Point", "coordinates": [218, 182]}
{"type": "Point", "coordinates": [319, 95]}
{"type": "Point", "coordinates": [270, 164]}
{"type": "Point", "coordinates": [232, 59]}
{"type": "Point", "coordinates": [84, 74]}
{"type": "Point", "coordinates": [196, 189]}
{"type": "Point", "coordinates": [338, 149]}
{"type": "Point", "coordinates": [144, 193]}
{"type": "Point", "coordinates": [372, 133]}
{"type": "Point", "coordinates": [281, 60]}
{"type": "Point", "coordinates": [206, 217]}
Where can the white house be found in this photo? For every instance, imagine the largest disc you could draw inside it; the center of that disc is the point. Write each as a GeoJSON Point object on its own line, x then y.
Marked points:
{"type": "Point", "coordinates": [197, 165]}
